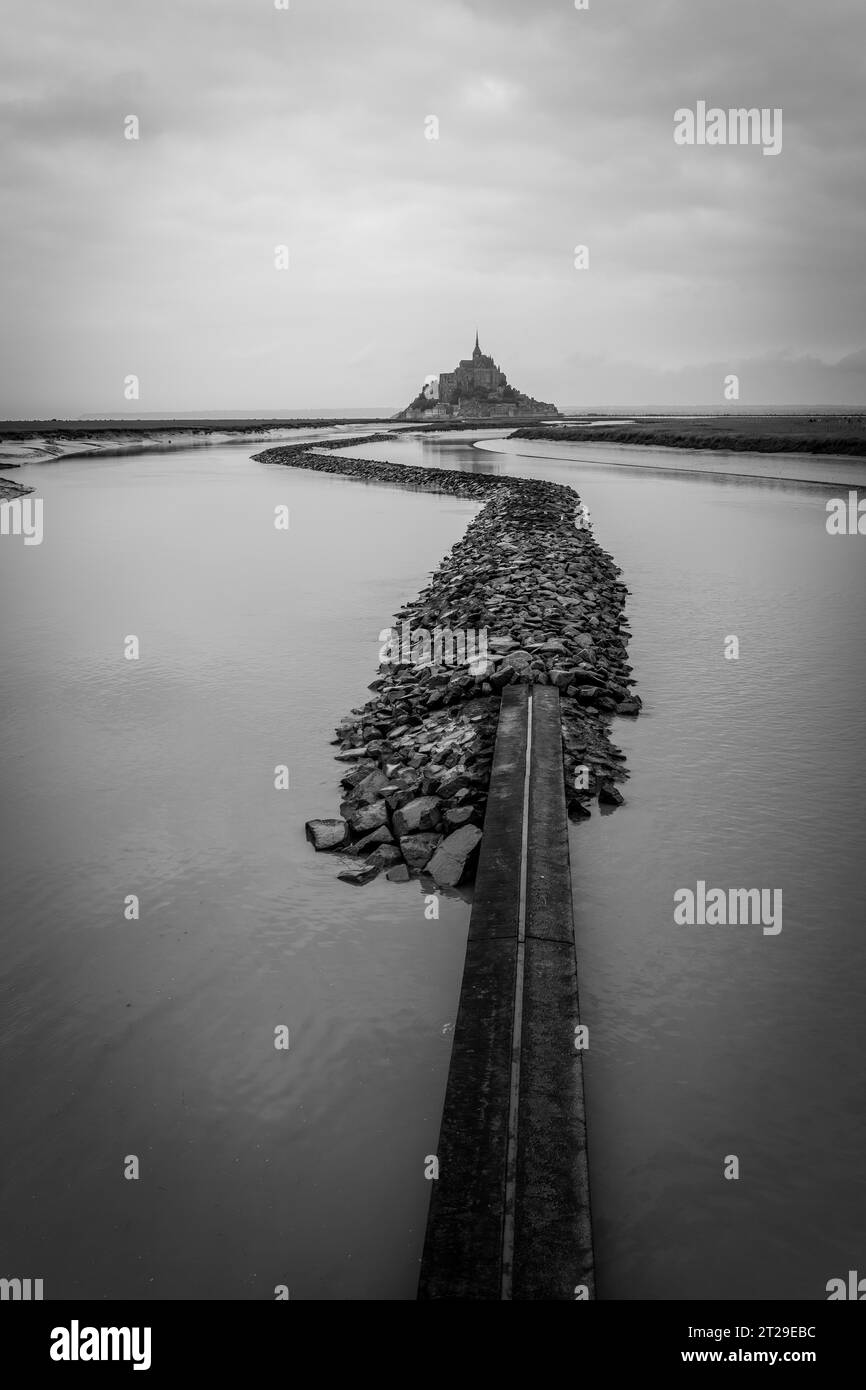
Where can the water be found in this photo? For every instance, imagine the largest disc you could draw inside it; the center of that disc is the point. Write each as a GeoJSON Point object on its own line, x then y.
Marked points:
{"type": "Point", "coordinates": [709, 1041]}
{"type": "Point", "coordinates": [156, 1037]}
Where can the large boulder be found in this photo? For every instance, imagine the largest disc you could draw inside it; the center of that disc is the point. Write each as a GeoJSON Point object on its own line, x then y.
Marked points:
{"type": "Point", "coordinates": [561, 679]}
{"type": "Point", "coordinates": [584, 675]}
{"type": "Point", "coordinates": [369, 818]}
{"type": "Point", "coordinates": [418, 815]}
{"type": "Point", "coordinates": [503, 676]}
{"type": "Point", "coordinates": [631, 705]}
{"type": "Point", "coordinates": [609, 795]}
{"type": "Point", "coordinates": [455, 857]}
{"type": "Point", "coordinates": [385, 856]}
{"type": "Point", "coordinates": [453, 782]}
{"type": "Point", "coordinates": [586, 694]}
{"type": "Point", "coordinates": [327, 834]}
{"type": "Point", "coordinates": [417, 849]}
{"type": "Point", "coordinates": [382, 836]}
{"type": "Point", "coordinates": [351, 755]}
{"type": "Point", "coordinates": [369, 788]}
{"type": "Point", "coordinates": [363, 874]}
{"type": "Point", "coordinates": [356, 774]}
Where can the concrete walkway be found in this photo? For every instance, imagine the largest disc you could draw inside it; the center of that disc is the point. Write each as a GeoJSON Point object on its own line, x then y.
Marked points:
{"type": "Point", "coordinates": [509, 1214]}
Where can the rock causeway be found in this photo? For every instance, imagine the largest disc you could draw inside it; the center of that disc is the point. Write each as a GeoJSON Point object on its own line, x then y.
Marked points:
{"type": "Point", "coordinates": [416, 758]}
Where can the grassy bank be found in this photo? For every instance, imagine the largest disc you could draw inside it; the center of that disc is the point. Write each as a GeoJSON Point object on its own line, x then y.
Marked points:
{"type": "Point", "coordinates": [761, 434]}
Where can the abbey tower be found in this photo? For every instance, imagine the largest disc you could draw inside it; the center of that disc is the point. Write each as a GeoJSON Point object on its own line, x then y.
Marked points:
{"type": "Point", "coordinates": [477, 371]}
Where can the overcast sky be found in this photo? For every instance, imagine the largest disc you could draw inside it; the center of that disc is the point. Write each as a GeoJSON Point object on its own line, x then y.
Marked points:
{"type": "Point", "coordinates": [261, 127]}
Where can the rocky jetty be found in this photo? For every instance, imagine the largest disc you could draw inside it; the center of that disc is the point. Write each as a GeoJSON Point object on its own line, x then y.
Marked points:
{"type": "Point", "coordinates": [550, 603]}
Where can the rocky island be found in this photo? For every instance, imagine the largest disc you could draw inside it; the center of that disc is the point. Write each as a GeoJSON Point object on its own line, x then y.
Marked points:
{"type": "Point", "coordinates": [475, 390]}
{"type": "Point", "coordinates": [532, 579]}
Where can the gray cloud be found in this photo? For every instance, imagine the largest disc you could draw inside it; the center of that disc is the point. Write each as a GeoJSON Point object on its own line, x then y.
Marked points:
{"type": "Point", "coordinates": [262, 127]}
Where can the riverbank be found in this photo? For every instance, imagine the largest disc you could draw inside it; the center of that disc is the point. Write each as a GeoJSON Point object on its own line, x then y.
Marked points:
{"type": "Point", "coordinates": [46, 441]}
{"type": "Point", "coordinates": [9, 490]}
{"type": "Point", "coordinates": [836, 434]}
{"type": "Point", "coordinates": [527, 597]}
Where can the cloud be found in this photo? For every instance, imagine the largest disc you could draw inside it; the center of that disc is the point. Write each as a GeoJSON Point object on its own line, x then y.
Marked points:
{"type": "Point", "coordinates": [772, 380]}
{"type": "Point", "coordinates": [306, 127]}
{"type": "Point", "coordinates": [492, 94]}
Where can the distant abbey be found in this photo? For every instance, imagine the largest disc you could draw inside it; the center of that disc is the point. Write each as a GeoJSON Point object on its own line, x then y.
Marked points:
{"type": "Point", "coordinates": [475, 390]}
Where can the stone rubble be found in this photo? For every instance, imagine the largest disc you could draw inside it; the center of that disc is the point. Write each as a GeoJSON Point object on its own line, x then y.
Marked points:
{"type": "Point", "coordinates": [417, 756]}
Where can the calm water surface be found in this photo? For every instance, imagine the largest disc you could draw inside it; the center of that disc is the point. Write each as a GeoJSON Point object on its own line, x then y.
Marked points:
{"type": "Point", "coordinates": [712, 1041]}
{"type": "Point", "coordinates": [155, 1037]}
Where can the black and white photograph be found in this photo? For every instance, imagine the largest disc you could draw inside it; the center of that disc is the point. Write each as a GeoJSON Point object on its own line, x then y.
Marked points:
{"type": "Point", "coordinates": [432, 719]}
